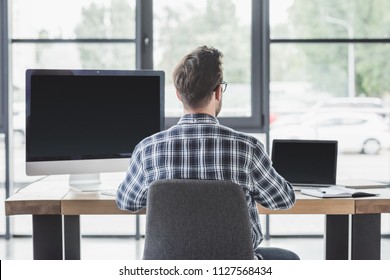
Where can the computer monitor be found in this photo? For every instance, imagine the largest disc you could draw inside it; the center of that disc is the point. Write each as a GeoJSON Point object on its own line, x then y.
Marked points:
{"type": "Point", "coordinates": [84, 122]}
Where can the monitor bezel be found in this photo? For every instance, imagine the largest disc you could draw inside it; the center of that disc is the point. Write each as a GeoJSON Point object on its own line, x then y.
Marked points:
{"type": "Point", "coordinates": [105, 163]}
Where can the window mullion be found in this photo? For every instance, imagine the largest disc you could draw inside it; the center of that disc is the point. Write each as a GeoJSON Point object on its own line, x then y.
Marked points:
{"type": "Point", "coordinates": [144, 34]}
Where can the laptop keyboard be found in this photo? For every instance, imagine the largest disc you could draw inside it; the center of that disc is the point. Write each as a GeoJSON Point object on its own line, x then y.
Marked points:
{"type": "Point", "coordinates": [299, 187]}
{"type": "Point", "coordinates": [109, 192]}
{"type": "Point", "coordinates": [312, 186]}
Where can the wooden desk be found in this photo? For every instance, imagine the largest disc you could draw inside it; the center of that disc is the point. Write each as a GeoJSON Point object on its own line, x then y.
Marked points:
{"type": "Point", "coordinates": [56, 211]}
{"type": "Point", "coordinates": [352, 225]}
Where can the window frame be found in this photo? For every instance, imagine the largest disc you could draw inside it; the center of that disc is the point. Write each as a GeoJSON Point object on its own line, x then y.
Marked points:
{"type": "Point", "coordinates": [4, 66]}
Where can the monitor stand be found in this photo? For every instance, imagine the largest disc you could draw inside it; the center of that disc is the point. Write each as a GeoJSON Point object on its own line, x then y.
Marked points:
{"type": "Point", "coordinates": [85, 182]}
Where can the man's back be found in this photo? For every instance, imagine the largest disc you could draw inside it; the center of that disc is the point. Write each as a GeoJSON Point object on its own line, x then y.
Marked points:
{"type": "Point", "coordinates": [198, 147]}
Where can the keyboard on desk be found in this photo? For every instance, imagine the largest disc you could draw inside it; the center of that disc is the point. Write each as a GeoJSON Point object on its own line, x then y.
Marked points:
{"type": "Point", "coordinates": [109, 192]}
{"type": "Point", "coordinates": [298, 187]}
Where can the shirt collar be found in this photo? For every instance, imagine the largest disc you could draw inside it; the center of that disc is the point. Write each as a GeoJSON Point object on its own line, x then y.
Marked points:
{"type": "Point", "coordinates": [198, 118]}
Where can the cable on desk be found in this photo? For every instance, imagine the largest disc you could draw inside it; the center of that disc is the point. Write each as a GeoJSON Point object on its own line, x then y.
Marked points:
{"type": "Point", "coordinates": [27, 184]}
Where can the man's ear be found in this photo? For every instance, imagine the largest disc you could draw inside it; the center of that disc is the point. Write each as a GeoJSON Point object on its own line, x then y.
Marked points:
{"type": "Point", "coordinates": [179, 96]}
{"type": "Point", "coordinates": [218, 93]}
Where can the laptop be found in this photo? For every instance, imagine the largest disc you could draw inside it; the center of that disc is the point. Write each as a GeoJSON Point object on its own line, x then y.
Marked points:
{"type": "Point", "coordinates": [306, 163]}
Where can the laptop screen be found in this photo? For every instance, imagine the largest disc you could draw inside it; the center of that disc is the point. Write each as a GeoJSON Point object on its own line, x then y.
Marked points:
{"type": "Point", "coordinates": [305, 161]}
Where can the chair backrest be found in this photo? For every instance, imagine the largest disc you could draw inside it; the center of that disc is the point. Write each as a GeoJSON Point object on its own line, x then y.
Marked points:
{"type": "Point", "coordinates": [197, 219]}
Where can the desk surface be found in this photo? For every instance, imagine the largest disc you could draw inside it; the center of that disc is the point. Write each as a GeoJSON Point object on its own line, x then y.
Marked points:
{"type": "Point", "coordinates": [53, 196]}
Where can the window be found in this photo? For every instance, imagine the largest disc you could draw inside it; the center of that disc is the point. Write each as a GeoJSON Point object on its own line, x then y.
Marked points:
{"type": "Point", "coordinates": [85, 34]}
{"type": "Point", "coordinates": [223, 24]}
{"type": "Point", "coordinates": [329, 62]}
{"type": "Point", "coordinates": [331, 57]}
{"type": "Point", "coordinates": [89, 34]}
{"type": "Point", "coordinates": [319, 51]}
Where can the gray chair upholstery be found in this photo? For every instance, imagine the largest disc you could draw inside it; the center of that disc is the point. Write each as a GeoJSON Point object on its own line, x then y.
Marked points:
{"type": "Point", "coordinates": [197, 219]}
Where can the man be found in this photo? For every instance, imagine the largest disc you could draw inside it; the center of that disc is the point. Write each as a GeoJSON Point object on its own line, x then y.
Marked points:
{"type": "Point", "coordinates": [198, 147]}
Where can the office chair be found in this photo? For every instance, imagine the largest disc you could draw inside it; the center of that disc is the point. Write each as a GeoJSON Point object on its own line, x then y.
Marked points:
{"type": "Point", "coordinates": [197, 219]}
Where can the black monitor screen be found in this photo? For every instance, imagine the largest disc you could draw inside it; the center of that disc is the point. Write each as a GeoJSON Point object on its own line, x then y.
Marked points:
{"type": "Point", "coordinates": [305, 161]}
{"type": "Point", "coordinates": [90, 114]}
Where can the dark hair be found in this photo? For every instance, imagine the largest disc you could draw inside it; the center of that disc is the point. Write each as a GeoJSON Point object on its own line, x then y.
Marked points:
{"type": "Point", "coordinates": [198, 75]}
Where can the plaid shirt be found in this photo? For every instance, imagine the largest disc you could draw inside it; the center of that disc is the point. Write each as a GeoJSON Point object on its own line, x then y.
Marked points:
{"type": "Point", "coordinates": [198, 147]}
